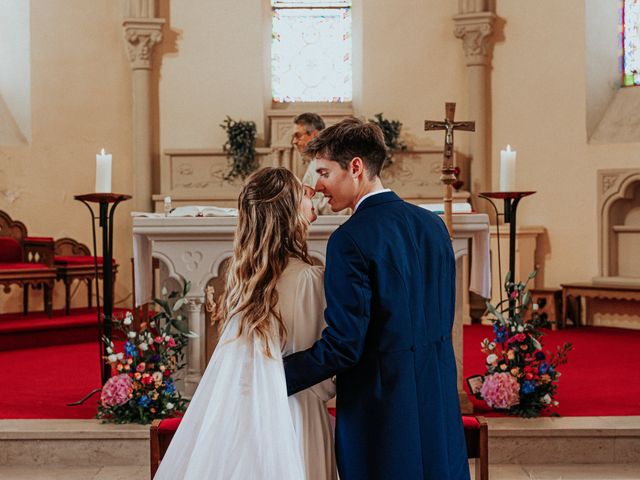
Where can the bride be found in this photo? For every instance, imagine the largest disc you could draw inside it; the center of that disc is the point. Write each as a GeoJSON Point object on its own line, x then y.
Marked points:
{"type": "Point", "coordinates": [240, 424]}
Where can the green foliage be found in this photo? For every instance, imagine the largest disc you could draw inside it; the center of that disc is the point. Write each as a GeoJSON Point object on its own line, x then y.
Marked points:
{"type": "Point", "coordinates": [391, 130]}
{"type": "Point", "coordinates": [240, 147]}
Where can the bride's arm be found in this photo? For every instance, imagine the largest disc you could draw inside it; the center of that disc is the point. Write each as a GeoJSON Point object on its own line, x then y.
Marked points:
{"type": "Point", "coordinates": [309, 321]}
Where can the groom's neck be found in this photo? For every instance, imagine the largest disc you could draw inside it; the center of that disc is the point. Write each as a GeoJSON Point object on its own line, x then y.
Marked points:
{"type": "Point", "coordinates": [367, 187]}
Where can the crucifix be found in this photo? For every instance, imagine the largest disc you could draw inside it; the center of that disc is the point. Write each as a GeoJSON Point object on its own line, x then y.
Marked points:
{"type": "Point", "coordinates": [448, 170]}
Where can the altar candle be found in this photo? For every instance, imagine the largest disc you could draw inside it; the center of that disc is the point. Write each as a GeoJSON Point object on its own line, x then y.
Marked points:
{"type": "Point", "coordinates": [103, 172]}
{"type": "Point", "coordinates": [507, 170]}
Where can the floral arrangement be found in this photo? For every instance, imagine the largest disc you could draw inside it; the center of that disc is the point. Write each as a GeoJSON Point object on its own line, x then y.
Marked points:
{"type": "Point", "coordinates": [521, 378]}
{"type": "Point", "coordinates": [142, 386]}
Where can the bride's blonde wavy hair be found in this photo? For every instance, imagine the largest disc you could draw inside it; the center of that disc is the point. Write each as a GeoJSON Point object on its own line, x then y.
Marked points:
{"type": "Point", "coordinates": [271, 229]}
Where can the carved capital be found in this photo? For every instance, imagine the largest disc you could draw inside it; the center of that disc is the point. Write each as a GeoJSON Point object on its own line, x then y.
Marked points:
{"type": "Point", "coordinates": [141, 35]}
{"type": "Point", "coordinates": [475, 31]}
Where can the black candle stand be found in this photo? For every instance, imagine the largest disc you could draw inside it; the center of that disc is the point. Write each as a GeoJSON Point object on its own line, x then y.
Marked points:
{"type": "Point", "coordinates": [105, 322]}
{"type": "Point", "coordinates": [511, 201]}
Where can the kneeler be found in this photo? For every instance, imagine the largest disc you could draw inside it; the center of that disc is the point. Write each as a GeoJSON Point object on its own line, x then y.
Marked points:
{"type": "Point", "coordinates": [475, 431]}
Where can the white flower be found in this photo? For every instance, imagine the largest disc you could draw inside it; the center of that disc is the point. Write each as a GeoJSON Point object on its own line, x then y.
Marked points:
{"type": "Point", "coordinates": [109, 350]}
{"type": "Point", "coordinates": [491, 346]}
{"type": "Point", "coordinates": [535, 307]}
{"type": "Point", "coordinates": [132, 335]}
{"type": "Point", "coordinates": [112, 358]}
{"type": "Point", "coordinates": [520, 328]}
{"type": "Point", "coordinates": [128, 319]}
{"type": "Point", "coordinates": [170, 406]}
{"type": "Point", "coordinates": [492, 358]}
{"type": "Point", "coordinates": [546, 399]}
{"type": "Point", "coordinates": [556, 403]}
{"type": "Point", "coordinates": [167, 338]}
{"type": "Point", "coordinates": [143, 346]}
{"type": "Point", "coordinates": [120, 356]}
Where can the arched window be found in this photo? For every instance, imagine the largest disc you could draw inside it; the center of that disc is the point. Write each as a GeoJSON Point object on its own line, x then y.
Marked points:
{"type": "Point", "coordinates": [311, 51]}
{"type": "Point", "coordinates": [630, 42]}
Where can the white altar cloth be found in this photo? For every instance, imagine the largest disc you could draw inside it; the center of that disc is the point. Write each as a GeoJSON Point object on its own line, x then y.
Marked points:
{"type": "Point", "coordinates": [193, 248]}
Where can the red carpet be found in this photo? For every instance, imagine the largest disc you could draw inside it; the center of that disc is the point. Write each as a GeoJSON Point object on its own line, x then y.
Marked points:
{"type": "Point", "coordinates": [37, 330]}
{"type": "Point", "coordinates": [602, 377]}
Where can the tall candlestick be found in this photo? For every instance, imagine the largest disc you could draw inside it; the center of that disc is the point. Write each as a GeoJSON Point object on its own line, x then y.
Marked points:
{"type": "Point", "coordinates": [103, 172]}
{"type": "Point", "coordinates": [508, 170]}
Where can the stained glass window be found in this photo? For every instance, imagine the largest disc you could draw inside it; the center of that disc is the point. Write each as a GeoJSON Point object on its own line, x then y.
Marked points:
{"type": "Point", "coordinates": [631, 42]}
{"type": "Point", "coordinates": [311, 51]}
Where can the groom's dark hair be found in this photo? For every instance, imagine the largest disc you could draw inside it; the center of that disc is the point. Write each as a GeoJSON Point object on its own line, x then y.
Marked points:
{"type": "Point", "coordinates": [351, 138]}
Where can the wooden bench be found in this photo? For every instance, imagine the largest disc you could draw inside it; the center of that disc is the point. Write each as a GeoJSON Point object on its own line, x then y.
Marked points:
{"type": "Point", "coordinates": [572, 292]}
{"type": "Point", "coordinates": [475, 431]}
{"type": "Point", "coordinates": [25, 261]}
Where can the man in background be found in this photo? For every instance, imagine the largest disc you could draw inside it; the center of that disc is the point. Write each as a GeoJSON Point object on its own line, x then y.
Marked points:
{"type": "Point", "coordinates": [307, 126]}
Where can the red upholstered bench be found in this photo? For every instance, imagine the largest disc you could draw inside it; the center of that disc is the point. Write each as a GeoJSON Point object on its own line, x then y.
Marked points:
{"type": "Point", "coordinates": [73, 261]}
{"type": "Point", "coordinates": [25, 261]}
{"type": "Point", "coordinates": [475, 431]}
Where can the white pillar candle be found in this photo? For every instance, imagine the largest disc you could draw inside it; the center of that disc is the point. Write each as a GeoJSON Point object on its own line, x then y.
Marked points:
{"type": "Point", "coordinates": [103, 172]}
{"type": "Point", "coordinates": [508, 170]}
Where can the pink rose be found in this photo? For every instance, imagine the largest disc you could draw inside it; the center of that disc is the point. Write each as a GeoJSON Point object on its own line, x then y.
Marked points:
{"type": "Point", "coordinates": [116, 391]}
{"type": "Point", "coordinates": [140, 368]}
{"type": "Point", "coordinates": [158, 339]}
{"type": "Point", "coordinates": [171, 342]}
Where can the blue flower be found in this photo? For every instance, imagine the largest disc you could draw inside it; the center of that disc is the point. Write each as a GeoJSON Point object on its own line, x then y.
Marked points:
{"type": "Point", "coordinates": [540, 356]}
{"type": "Point", "coordinates": [130, 350]}
{"type": "Point", "coordinates": [501, 333]}
{"type": "Point", "coordinates": [544, 368]}
{"type": "Point", "coordinates": [170, 388]}
{"type": "Point", "coordinates": [144, 401]}
{"type": "Point", "coordinates": [527, 387]}
{"type": "Point", "coordinates": [155, 359]}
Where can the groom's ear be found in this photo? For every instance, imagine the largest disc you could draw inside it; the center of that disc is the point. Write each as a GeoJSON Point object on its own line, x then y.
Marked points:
{"type": "Point", "coordinates": [356, 168]}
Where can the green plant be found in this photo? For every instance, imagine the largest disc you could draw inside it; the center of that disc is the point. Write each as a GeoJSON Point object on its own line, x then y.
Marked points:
{"type": "Point", "coordinates": [391, 130]}
{"type": "Point", "coordinates": [240, 147]}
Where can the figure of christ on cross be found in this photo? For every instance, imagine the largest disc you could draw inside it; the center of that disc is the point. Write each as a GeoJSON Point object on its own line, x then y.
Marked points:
{"type": "Point", "coordinates": [448, 175]}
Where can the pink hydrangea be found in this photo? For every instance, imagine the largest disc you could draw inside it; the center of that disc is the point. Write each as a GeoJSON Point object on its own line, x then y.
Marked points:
{"type": "Point", "coordinates": [501, 390]}
{"type": "Point", "coordinates": [116, 390]}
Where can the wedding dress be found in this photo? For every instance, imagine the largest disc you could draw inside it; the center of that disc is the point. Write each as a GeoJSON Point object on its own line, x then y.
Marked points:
{"type": "Point", "coordinates": [240, 424]}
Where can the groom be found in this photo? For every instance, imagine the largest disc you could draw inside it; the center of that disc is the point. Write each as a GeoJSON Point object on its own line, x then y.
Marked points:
{"type": "Point", "coordinates": [390, 289]}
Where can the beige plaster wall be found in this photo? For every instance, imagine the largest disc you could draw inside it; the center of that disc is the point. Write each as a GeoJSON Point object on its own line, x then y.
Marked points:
{"type": "Point", "coordinates": [539, 91]}
{"type": "Point", "coordinates": [406, 64]}
{"type": "Point", "coordinates": [81, 102]}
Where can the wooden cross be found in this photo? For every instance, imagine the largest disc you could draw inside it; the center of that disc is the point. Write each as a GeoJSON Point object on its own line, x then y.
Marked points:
{"type": "Point", "coordinates": [448, 170]}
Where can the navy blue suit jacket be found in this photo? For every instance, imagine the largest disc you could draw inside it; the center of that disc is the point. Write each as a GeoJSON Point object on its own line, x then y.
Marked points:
{"type": "Point", "coordinates": [390, 289]}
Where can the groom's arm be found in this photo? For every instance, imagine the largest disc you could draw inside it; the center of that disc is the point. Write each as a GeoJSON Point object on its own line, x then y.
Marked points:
{"type": "Point", "coordinates": [348, 294]}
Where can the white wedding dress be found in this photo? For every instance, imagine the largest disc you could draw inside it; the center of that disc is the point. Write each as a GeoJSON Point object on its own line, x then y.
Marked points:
{"type": "Point", "coordinates": [240, 424]}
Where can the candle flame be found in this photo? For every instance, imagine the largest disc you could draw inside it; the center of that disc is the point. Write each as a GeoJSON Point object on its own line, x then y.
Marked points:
{"type": "Point", "coordinates": [102, 152]}
{"type": "Point", "coordinates": [508, 148]}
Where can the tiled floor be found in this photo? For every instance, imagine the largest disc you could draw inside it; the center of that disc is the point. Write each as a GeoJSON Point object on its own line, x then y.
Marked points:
{"type": "Point", "coordinates": [496, 472]}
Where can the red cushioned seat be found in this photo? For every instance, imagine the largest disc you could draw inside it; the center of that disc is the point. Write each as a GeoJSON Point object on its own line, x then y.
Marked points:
{"type": "Point", "coordinates": [10, 250]}
{"type": "Point", "coordinates": [168, 425]}
{"type": "Point", "coordinates": [23, 266]}
{"type": "Point", "coordinates": [470, 423]}
{"type": "Point", "coordinates": [38, 239]}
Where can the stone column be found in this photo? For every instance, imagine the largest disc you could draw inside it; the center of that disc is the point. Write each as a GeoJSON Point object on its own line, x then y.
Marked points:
{"type": "Point", "coordinates": [141, 32]}
{"type": "Point", "coordinates": [474, 25]}
{"type": "Point", "coordinates": [196, 348]}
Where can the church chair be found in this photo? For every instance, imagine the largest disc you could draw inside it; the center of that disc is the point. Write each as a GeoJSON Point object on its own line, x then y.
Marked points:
{"type": "Point", "coordinates": [476, 434]}
{"type": "Point", "coordinates": [25, 261]}
{"type": "Point", "coordinates": [475, 431]}
{"type": "Point", "coordinates": [73, 261]}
